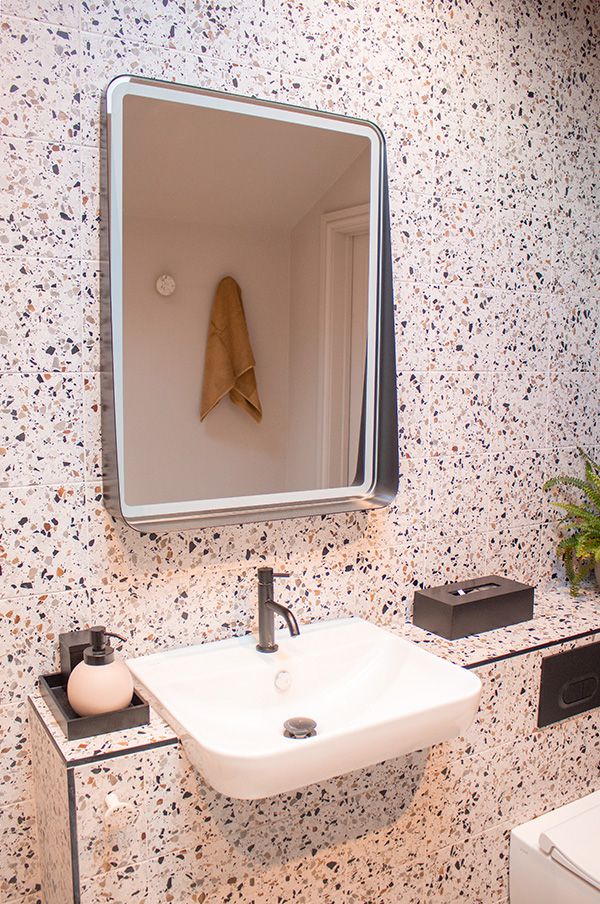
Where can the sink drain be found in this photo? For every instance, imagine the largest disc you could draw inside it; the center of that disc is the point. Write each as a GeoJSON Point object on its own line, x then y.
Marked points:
{"type": "Point", "coordinates": [300, 728]}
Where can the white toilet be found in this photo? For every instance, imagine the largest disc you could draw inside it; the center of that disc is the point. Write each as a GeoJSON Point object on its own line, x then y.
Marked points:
{"type": "Point", "coordinates": [555, 859]}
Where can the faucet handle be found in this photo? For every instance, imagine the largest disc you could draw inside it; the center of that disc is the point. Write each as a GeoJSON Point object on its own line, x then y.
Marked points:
{"type": "Point", "coordinates": [282, 574]}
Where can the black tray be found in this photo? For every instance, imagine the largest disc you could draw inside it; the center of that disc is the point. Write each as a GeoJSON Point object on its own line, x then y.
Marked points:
{"type": "Point", "coordinates": [53, 689]}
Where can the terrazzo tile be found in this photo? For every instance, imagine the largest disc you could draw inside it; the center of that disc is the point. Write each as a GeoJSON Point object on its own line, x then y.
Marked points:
{"type": "Point", "coordinates": [460, 412]}
{"type": "Point", "coordinates": [321, 588]}
{"type": "Point", "coordinates": [160, 22]}
{"type": "Point", "coordinates": [263, 543]}
{"type": "Point", "coordinates": [519, 411]}
{"type": "Point", "coordinates": [576, 336]}
{"type": "Point", "coordinates": [173, 798]}
{"type": "Point", "coordinates": [576, 106]}
{"type": "Point", "coordinates": [371, 881]}
{"type": "Point", "coordinates": [413, 413]}
{"type": "Point", "coordinates": [398, 44]}
{"type": "Point", "coordinates": [330, 94]}
{"type": "Point", "coordinates": [15, 755]}
{"type": "Point", "coordinates": [526, 122]}
{"type": "Point", "coordinates": [410, 217]}
{"type": "Point", "coordinates": [43, 539]}
{"type": "Point", "coordinates": [92, 411]}
{"type": "Point", "coordinates": [159, 617]}
{"type": "Point", "coordinates": [458, 487]}
{"type": "Point", "coordinates": [244, 31]}
{"type": "Point", "coordinates": [515, 553]}
{"type": "Point", "coordinates": [101, 846]}
{"type": "Point", "coordinates": [50, 787]}
{"type": "Point", "coordinates": [247, 80]}
{"type": "Point", "coordinates": [336, 536]}
{"type": "Point", "coordinates": [42, 436]}
{"type": "Point", "coordinates": [39, 188]}
{"type": "Point", "coordinates": [578, 30]}
{"type": "Point", "coordinates": [117, 886]}
{"type": "Point", "coordinates": [576, 248]}
{"type": "Point", "coordinates": [409, 512]}
{"type": "Point", "coordinates": [465, 86]}
{"type": "Point", "coordinates": [177, 877]}
{"type": "Point", "coordinates": [461, 331]}
{"type": "Point", "coordinates": [411, 314]}
{"type": "Point", "coordinates": [385, 582]}
{"type": "Point", "coordinates": [19, 875]}
{"type": "Point", "coordinates": [90, 204]}
{"type": "Point", "coordinates": [106, 746]}
{"type": "Point", "coordinates": [456, 558]}
{"type": "Point", "coordinates": [104, 58]}
{"type": "Point", "coordinates": [474, 871]}
{"type": "Point", "coordinates": [90, 294]}
{"type": "Point", "coordinates": [464, 24]}
{"type": "Point", "coordinates": [29, 629]}
{"type": "Point", "coordinates": [522, 329]}
{"type": "Point", "coordinates": [312, 880]}
{"type": "Point", "coordinates": [515, 483]}
{"type": "Point", "coordinates": [321, 37]}
{"type": "Point", "coordinates": [41, 326]}
{"type": "Point", "coordinates": [507, 710]}
{"type": "Point", "coordinates": [539, 758]}
{"type": "Point", "coordinates": [525, 255]}
{"type": "Point", "coordinates": [572, 410]}
{"type": "Point", "coordinates": [58, 12]}
{"type": "Point", "coordinates": [120, 558]}
{"type": "Point", "coordinates": [463, 235]}
{"type": "Point", "coordinates": [580, 769]}
{"type": "Point", "coordinates": [406, 120]}
{"type": "Point", "coordinates": [40, 97]}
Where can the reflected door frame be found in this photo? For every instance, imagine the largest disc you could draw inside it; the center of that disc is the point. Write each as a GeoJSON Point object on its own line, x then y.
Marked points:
{"type": "Point", "coordinates": [337, 334]}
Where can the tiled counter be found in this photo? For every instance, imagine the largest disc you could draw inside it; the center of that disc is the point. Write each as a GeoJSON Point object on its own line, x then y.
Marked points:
{"type": "Point", "coordinates": [432, 825]}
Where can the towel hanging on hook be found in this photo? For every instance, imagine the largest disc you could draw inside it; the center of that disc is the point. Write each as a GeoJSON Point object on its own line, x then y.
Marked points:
{"type": "Point", "coordinates": [229, 363]}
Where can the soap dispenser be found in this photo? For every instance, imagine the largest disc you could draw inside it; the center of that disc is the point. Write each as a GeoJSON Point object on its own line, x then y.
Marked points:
{"type": "Point", "coordinates": [100, 683]}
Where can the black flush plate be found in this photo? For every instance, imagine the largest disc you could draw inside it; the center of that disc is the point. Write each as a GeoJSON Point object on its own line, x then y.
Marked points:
{"type": "Point", "coordinates": [570, 684]}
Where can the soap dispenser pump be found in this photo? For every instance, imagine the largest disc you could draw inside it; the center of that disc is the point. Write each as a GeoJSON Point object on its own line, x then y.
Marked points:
{"type": "Point", "coordinates": [100, 683]}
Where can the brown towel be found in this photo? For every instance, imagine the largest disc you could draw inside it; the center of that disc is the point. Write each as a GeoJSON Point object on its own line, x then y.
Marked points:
{"type": "Point", "coordinates": [229, 363]}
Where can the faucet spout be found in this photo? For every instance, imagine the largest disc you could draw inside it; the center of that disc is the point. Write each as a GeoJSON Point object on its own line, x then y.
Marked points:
{"type": "Point", "coordinates": [287, 615]}
{"type": "Point", "coordinates": [267, 608]}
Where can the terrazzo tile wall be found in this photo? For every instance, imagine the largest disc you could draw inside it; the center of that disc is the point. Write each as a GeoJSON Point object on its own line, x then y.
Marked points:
{"type": "Point", "coordinates": [491, 111]}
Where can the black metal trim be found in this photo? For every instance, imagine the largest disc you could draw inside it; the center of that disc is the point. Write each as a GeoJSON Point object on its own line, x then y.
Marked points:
{"type": "Point", "coordinates": [113, 754]}
{"type": "Point", "coordinates": [533, 648]}
{"type": "Point", "coordinates": [75, 877]}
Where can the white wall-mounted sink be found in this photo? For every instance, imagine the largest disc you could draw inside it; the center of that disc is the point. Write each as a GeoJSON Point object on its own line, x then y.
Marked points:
{"type": "Point", "coordinates": [373, 695]}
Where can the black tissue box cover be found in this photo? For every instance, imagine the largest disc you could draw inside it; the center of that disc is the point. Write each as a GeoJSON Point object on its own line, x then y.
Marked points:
{"type": "Point", "coordinates": [456, 610]}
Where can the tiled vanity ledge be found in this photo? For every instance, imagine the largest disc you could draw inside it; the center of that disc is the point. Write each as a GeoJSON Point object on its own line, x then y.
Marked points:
{"type": "Point", "coordinates": [432, 825]}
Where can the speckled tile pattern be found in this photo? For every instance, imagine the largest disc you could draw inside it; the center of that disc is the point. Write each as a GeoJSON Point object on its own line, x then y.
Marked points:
{"type": "Point", "coordinates": [41, 100]}
{"type": "Point", "coordinates": [50, 785]}
{"type": "Point", "coordinates": [490, 115]}
{"type": "Point", "coordinates": [41, 328]}
{"type": "Point", "coordinates": [19, 867]}
{"type": "Point", "coordinates": [15, 755]}
{"type": "Point", "coordinates": [107, 745]}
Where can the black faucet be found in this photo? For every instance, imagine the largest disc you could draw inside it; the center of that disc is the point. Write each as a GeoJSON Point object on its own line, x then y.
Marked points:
{"type": "Point", "coordinates": [267, 607]}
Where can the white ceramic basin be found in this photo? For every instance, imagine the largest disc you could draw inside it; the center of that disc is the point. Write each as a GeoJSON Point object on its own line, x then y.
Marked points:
{"type": "Point", "coordinates": [373, 695]}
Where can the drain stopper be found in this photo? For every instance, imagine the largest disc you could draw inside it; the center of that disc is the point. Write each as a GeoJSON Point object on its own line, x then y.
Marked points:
{"type": "Point", "coordinates": [300, 728]}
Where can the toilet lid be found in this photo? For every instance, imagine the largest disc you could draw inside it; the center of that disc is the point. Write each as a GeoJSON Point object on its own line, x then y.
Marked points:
{"type": "Point", "coordinates": [575, 844]}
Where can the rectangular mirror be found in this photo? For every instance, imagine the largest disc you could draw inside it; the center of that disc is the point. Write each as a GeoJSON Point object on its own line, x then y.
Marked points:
{"type": "Point", "coordinates": [250, 369]}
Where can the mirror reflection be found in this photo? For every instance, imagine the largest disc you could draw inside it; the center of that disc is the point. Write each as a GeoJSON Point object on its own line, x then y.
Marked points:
{"type": "Point", "coordinates": [248, 283]}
